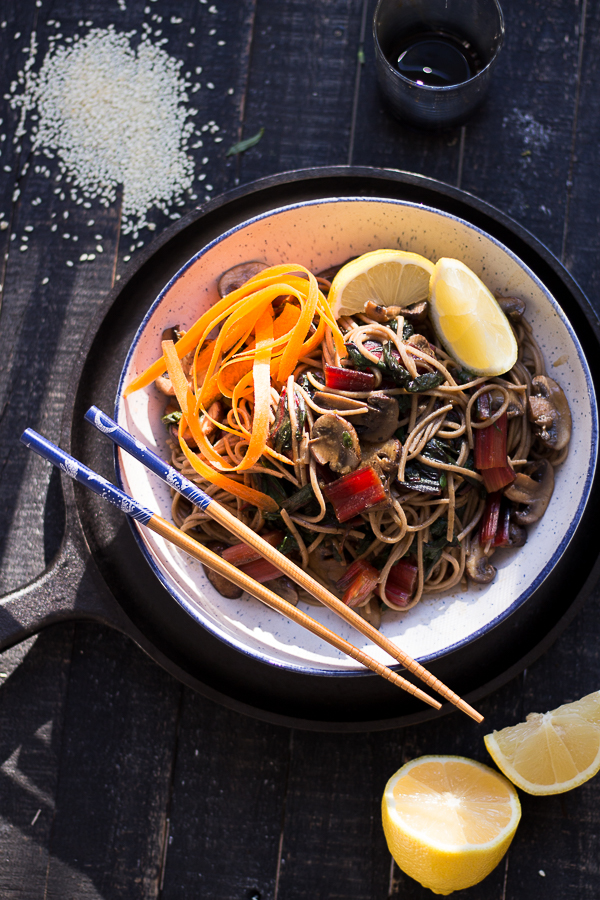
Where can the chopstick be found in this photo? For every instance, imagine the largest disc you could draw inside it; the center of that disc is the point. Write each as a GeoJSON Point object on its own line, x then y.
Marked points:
{"type": "Point", "coordinates": [176, 480]}
{"type": "Point", "coordinates": [86, 476]}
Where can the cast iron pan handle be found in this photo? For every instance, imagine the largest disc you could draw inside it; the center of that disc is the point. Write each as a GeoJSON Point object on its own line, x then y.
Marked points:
{"type": "Point", "coordinates": [71, 587]}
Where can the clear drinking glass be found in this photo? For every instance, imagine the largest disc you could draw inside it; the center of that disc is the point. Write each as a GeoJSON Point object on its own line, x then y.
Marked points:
{"type": "Point", "coordinates": [446, 49]}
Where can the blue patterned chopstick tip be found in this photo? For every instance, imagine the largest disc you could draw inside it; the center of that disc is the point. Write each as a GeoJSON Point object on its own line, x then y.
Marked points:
{"type": "Point", "coordinates": [147, 457]}
{"type": "Point", "coordinates": [81, 473]}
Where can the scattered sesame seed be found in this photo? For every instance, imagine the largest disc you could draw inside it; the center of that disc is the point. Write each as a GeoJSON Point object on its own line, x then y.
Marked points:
{"type": "Point", "coordinates": [83, 257]}
{"type": "Point", "coordinates": [69, 263]}
{"type": "Point", "coordinates": [23, 247]}
{"type": "Point", "coordinates": [126, 258]}
{"type": "Point", "coordinates": [3, 225]}
{"type": "Point", "coordinates": [99, 248]}
{"type": "Point", "coordinates": [45, 280]}
{"type": "Point", "coordinates": [108, 142]}
{"type": "Point", "coordinates": [66, 236]}
{"type": "Point", "coordinates": [542, 873]}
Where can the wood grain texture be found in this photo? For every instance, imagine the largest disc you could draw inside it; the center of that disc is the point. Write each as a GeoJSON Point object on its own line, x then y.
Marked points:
{"type": "Point", "coordinates": [226, 813]}
{"type": "Point", "coordinates": [32, 699]}
{"type": "Point", "coordinates": [301, 84]}
{"type": "Point", "coordinates": [115, 772]}
{"type": "Point", "coordinates": [144, 788]}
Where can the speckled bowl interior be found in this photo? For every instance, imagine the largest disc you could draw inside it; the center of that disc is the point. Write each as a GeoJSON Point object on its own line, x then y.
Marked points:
{"type": "Point", "coordinates": [319, 234]}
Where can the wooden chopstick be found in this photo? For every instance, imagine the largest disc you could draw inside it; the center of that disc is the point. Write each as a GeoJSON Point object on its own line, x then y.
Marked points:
{"type": "Point", "coordinates": [135, 510]}
{"type": "Point", "coordinates": [203, 501]}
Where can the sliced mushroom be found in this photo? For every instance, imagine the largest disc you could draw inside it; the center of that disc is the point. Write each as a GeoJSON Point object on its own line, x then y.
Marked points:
{"type": "Point", "coordinates": [327, 566]}
{"type": "Point", "coordinates": [381, 421]}
{"type": "Point", "coordinates": [215, 411]}
{"type": "Point", "coordinates": [332, 271]}
{"type": "Point", "coordinates": [384, 458]}
{"type": "Point", "coordinates": [238, 275]}
{"type": "Point", "coordinates": [371, 611]}
{"type": "Point", "coordinates": [165, 385]}
{"type": "Point", "coordinates": [223, 585]}
{"type": "Point", "coordinates": [517, 536]}
{"type": "Point", "coordinates": [334, 442]}
{"type": "Point", "coordinates": [513, 307]}
{"type": "Point", "coordinates": [549, 411]}
{"type": "Point", "coordinates": [516, 403]}
{"type": "Point", "coordinates": [421, 343]}
{"type": "Point", "coordinates": [285, 587]}
{"type": "Point", "coordinates": [479, 568]}
{"type": "Point", "coordinates": [415, 315]}
{"type": "Point", "coordinates": [532, 489]}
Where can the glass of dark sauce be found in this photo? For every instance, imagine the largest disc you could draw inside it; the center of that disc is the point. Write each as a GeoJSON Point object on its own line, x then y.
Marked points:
{"type": "Point", "coordinates": [435, 58]}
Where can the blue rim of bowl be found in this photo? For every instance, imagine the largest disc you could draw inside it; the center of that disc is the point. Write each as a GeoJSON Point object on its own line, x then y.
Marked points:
{"type": "Point", "coordinates": [194, 612]}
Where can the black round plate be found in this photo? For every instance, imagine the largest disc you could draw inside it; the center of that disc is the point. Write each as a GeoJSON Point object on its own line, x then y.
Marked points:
{"type": "Point", "coordinates": [346, 702]}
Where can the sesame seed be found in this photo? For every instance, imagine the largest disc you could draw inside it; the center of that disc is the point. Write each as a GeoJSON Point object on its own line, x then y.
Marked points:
{"type": "Point", "coordinates": [109, 144]}
{"type": "Point", "coordinates": [45, 280]}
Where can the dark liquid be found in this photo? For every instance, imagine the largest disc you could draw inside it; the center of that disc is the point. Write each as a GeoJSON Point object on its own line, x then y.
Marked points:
{"type": "Point", "coordinates": [435, 58]}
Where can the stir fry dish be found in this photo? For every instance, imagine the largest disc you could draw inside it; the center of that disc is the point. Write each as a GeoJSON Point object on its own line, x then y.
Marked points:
{"type": "Point", "coordinates": [389, 425]}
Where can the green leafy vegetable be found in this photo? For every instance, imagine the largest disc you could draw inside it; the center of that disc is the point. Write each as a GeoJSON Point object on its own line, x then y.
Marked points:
{"type": "Point", "coordinates": [425, 382]}
{"type": "Point", "coordinates": [172, 418]}
{"type": "Point", "coordinates": [241, 146]}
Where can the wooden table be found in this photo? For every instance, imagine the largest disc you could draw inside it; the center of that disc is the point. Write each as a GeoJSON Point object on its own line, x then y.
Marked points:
{"type": "Point", "coordinates": [116, 781]}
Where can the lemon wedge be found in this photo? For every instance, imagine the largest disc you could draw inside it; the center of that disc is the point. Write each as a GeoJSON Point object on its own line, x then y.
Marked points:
{"type": "Point", "coordinates": [468, 320]}
{"type": "Point", "coordinates": [552, 752]}
{"type": "Point", "coordinates": [387, 277]}
{"type": "Point", "coordinates": [448, 821]}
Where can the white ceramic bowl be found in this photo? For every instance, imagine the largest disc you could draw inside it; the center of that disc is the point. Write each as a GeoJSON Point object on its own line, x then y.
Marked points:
{"type": "Point", "coordinates": [319, 234]}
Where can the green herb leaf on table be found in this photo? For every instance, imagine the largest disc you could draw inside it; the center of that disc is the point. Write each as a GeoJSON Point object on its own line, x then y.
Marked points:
{"type": "Point", "coordinates": [244, 145]}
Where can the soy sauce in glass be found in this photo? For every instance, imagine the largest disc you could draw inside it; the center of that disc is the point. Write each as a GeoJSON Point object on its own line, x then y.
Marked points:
{"type": "Point", "coordinates": [435, 59]}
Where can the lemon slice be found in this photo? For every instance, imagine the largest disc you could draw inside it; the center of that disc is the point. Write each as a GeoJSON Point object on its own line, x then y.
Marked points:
{"type": "Point", "coordinates": [387, 277]}
{"type": "Point", "coordinates": [468, 320]}
{"type": "Point", "coordinates": [448, 821]}
{"type": "Point", "coordinates": [552, 752]}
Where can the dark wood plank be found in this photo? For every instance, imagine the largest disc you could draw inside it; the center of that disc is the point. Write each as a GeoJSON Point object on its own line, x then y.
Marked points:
{"type": "Point", "coordinates": [301, 85]}
{"type": "Point", "coordinates": [524, 131]}
{"type": "Point", "coordinates": [380, 140]}
{"type": "Point", "coordinates": [32, 694]}
{"type": "Point", "coordinates": [115, 772]}
{"type": "Point", "coordinates": [226, 813]}
{"type": "Point", "coordinates": [582, 232]}
{"type": "Point", "coordinates": [332, 822]}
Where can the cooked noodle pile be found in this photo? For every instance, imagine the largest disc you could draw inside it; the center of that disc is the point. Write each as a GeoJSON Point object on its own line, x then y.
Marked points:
{"type": "Point", "coordinates": [375, 405]}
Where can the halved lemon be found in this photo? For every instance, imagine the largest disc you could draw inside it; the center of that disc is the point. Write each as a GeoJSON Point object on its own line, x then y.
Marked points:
{"type": "Point", "coordinates": [468, 320]}
{"type": "Point", "coordinates": [448, 821]}
{"type": "Point", "coordinates": [387, 277]}
{"type": "Point", "coordinates": [550, 753]}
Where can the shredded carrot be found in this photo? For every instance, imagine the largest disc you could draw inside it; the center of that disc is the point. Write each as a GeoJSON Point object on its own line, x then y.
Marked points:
{"type": "Point", "coordinates": [261, 372]}
{"type": "Point", "coordinates": [248, 494]}
{"type": "Point", "coordinates": [253, 349]}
